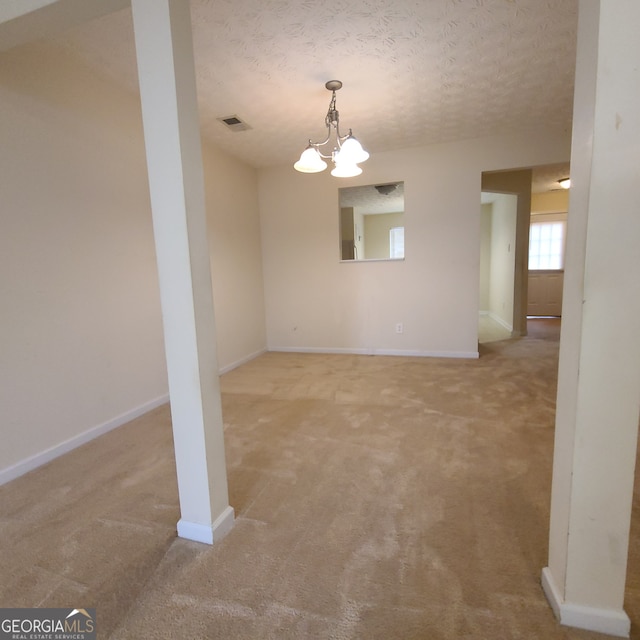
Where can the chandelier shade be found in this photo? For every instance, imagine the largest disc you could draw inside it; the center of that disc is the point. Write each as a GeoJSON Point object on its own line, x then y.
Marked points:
{"type": "Point", "coordinates": [310, 161]}
{"type": "Point", "coordinates": [346, 170]}
{"type": "Point", "coordinates": [346, 152]}
{"type": "Point", "coordinates": [351, 151]}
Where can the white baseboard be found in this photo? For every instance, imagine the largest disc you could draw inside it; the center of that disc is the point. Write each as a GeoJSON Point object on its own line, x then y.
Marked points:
{"type": "Point", "coordinates": [500, 321]}
{"type": "Point", "coordinates": [238, 363]}
{"type": "Point", "coordinates": [207, 533]}
{"type": "Point", "coordinates": [378, 352]}
{"type": "Point", "coordinates": [37, 460]}
{"type": "Point", "coordinates": [610, 621]}
{"type": "Point", "coordinates": [33, 462]}
{"type": "Point", "coordinates": [426, 354]}
{"type": "Point", "coordinates": [329, 350]}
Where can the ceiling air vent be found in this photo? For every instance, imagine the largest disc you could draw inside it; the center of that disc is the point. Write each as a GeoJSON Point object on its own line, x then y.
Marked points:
{"type": "Point", "coordinates": [234, 123]}
{"type": "Point", "coordinates": [386, 189]}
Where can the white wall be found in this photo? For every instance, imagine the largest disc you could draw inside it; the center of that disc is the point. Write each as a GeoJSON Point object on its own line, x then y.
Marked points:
{"type": "Point", "coordinates": [502, 262]}
{"type": "Point", "coordinates": [81, 343]}
{"type": "Point", "coordinates": [81, 338]}
{"type": "Point", "coordinates": [485, 256]}
{"type": "Point", "coordinates": [314, 302]}
{"type": "Point", "coordinates": [497, 257]}
{"type": "Point", "coordinates": [236, 258]}
{"type": "Point", "coordinates": [376, 231]}
{"type": "Point", "coordinates": [359, 235]}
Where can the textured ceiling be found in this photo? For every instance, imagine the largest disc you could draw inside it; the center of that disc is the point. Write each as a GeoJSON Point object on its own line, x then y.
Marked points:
{"type": "Point", "coordinates": [546, 178]}
{"type": "Point", "coordinates": [368, 200]}
{"type": "Point", "coordinates": [414, 72]}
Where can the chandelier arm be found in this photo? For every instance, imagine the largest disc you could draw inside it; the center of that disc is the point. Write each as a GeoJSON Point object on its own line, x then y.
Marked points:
{"type": "Point", "coordinates": [317, 145]}
{"type": "Point", "coordinates": [343, 138]}
{"type": "Point", "coordinates": [311, 163]}
{"type": "Point", "coordinates": [322, 155]}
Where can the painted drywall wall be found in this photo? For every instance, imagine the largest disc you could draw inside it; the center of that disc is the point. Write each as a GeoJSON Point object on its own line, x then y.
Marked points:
{"type": "Point", "coordinates": [236, 259]}
{"type": "Point", "coordinates": [81, 343]}
{"type": "Point", "coordinates": [516, 182]}
{"type": "Point", "coordinates": [497, 258]}
{"type": "Point", "coordinates": [485, 256]}
{"type": "Point", "coordinates": [376, 232]}
{"type": "Point", "coordinates": [314, 302]}
{"type": "Point", "coordinates": [359, 237]}
{"type": "Point", "coordinates": [81, 338]}
{"type": "Point", "coordinates": [28, 20]}
{"type": "Point", "coordinates": [502, 261]}
{"type": "Point", "coordinates": [550, 202]}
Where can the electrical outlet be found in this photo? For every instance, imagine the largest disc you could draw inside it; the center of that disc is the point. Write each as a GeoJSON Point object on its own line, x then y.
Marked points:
{"type": "Point", "coordinates": [399, 327]}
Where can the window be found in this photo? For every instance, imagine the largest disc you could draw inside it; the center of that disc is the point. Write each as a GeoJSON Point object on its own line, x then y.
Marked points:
{"type": "Point", "coordinates": [546, 245]}
{"type": "Point", "coordinates": [396, 242]}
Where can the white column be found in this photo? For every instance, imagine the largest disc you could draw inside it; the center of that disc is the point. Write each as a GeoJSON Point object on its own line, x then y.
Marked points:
{"type": "Point", "coordinates": [172, 138]}
{"type": "Point", "coordinates": [599, 372]}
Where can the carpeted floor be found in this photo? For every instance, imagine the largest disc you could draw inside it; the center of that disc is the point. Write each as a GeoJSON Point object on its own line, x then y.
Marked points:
{"type": "Point", "coordinates": [375, 497]}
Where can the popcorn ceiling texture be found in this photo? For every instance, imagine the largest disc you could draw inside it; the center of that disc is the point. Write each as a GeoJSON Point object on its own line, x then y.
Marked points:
{"type": "Point", "coordinates": [414, 73]}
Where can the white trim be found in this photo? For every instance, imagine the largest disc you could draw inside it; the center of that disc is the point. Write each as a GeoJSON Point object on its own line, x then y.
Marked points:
{"type": "Point", "coordinates": [37, 460]}
{"type": "Point", "coordinates": [359, 260]}
{"type": "Point", "coordinates": [378, 352]}
{"type": "Point", "coordinates": [207, 533]}
{"type": "Point", "coordinates": [426, 354]}
{"type": "Point", "coordinates": [551, 591]}
{"type": "Point", "coordinates": [555, 214]}
{"type": "Point", "coordinates": [331, 350]}
{"type": "Point", "coordinates": [500, 321]}
{"type": "Point", "coordinates": [238, 363]}
{"type": "Point", "coordinates": [610, 621]}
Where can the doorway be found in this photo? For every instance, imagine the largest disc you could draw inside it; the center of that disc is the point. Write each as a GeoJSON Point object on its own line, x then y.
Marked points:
{"type": "Point", "coordinates": [516, 183]}
{"type": "Point", "coordinates": [497, 265]}
{"type": "Point", "coordinates": [547, 239]}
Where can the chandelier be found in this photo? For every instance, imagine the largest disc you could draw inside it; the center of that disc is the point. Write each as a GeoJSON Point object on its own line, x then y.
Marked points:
{"type": "Point", "coordinates": [347, 151]}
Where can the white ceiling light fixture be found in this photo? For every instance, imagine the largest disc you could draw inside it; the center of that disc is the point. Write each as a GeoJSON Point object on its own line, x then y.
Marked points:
{"type": "Point", "coordinates": [347, 152]}
{"type": "Point", "coordinates": [565, 183]}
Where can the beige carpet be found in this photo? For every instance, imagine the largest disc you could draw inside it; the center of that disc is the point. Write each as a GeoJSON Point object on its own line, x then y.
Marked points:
{"type": "Point", "coordinates": [375, 497]}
